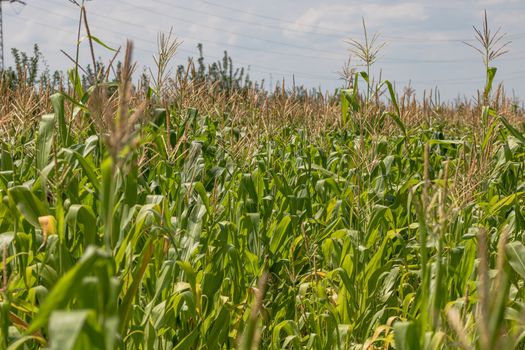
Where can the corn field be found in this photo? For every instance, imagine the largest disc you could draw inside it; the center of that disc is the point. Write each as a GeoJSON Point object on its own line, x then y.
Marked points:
{"type": "Point", "coordinates": [190, 216]}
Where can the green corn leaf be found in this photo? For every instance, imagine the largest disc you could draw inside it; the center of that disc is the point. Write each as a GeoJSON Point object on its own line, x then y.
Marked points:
{"type": "Point", "coordinates": [393, 97]}
{"type": "Point", "coordinates": [101, 43]}
{"type": "Point", "coordinates": [127, 303]}
{"type": "Point", "coordinates": [65, 328]}
{"type": "Point", "coordinates": [74, 79]}
{"type": "Point", "coordinates": [83, 215]}
{"type": "Point", "coordinates": [406, 336]}
{"type": "Point", "coordinates": [218, 331]}
{"type": "Point", "coordinates": [57, 100]}
{"type": "Point", "coordinates": [518, 135]}
{"type": "Point", "coordinates": [349, 102]}
{"type": "Point", "coordinates": [28, 204]}
{"type": "Point", "coordinates": [88, 168]}
{"type": "Point", "coordinates": [188, 341]}
{"type": "Point", "coordinates": [107, 199]}
{"type": "Point", "coordinates": [396, 116]}
{"type": "Point", "coordinates": [64, 289]}
{"type": "Point", "coordinates": [516, 255]}
{"type": "Point", "coordinates": [491, 73]}
{"type": "Point", "coordinates": [279, 235]}
{"type": "Point", "coordinates": [344, 107]}
{"type": "Point", "coordinates": [44, 140]}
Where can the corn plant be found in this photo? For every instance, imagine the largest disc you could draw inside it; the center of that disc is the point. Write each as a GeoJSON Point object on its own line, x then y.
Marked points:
{"type": "Point", "coordinates": [138, 220]}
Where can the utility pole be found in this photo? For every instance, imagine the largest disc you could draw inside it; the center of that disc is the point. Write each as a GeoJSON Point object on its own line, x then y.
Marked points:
{"type": "Point", "coordinates": [2, 32]}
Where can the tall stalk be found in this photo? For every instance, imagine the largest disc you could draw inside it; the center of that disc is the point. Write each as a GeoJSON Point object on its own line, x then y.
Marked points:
{"type": "Point", "coordinates": [492, 46]}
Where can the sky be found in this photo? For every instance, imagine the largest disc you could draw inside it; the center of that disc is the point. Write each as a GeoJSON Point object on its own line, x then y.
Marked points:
{"type": "Point", "coordinates": [283, 39]}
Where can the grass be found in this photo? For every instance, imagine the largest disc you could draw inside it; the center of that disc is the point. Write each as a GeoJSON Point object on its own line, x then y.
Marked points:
{"type": "Point", "coordinates": [188, 216]}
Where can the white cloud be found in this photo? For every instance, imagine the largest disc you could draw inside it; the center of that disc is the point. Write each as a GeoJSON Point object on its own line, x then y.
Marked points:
{"type": "Point", "coordinates": [497, 2]}
{"type": "Point", "coordinates": [345, 18]}
{"type": "Point", "coordinates": [507, 20]}
{"type": "Point", "coordinates": [419, 35]}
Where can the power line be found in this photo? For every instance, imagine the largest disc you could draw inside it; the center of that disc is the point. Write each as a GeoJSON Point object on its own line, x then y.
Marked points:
{"type": "Point", "coordinates": [392, 60]}
{"type": "Point", "coordinates": [269, 70]}
{"type": "Point", "coordinates": [282, 53]}
{"type": "Point", "coordinates": [224, 30]}
{"type": "Point", "coordinates": [255, 14]}
{"type": "Point", "coordinates": [232, 19]}
{"type": "Point", "coordinates": [334, 32]}
{"type": "Point", "coordinates": [459, 81]}
{"type": "Point", "coordinates": [212, 42]}
{"type": "Point", "coordinates": [407, 60]}
{"type": "Point", "coordinates": [221, 29]}
{"type": "Point", "coordinates": [259, 68]}
{"type": "Point", "coordinates": [337, 34]}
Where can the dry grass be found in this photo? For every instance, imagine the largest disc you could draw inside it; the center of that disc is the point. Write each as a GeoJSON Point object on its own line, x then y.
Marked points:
{"type": "Point", "coordinates": [21, 107]}
{"type": "Point", "coordinates": [261, 113]}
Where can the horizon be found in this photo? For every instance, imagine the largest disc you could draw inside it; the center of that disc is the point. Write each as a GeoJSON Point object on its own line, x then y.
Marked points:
{"type": "Point", "coordinates": [306, 42]}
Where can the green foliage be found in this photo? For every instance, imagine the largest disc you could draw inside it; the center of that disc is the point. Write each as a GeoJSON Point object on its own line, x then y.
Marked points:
{"type": "Point", "coordinates": [26, 67]}
{"type": "Point", "coordinates": [30, 71]}
{"type": "Point", "coordinates": [164, 247]}
{"type": "Point", "coordinates": [221, 74]}
{"type": "Point", "coordinates": [149, 229]}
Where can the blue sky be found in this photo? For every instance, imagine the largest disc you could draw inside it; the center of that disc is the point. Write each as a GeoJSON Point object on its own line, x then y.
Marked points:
{"type": "Point", "coordinates": [283, 39]}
